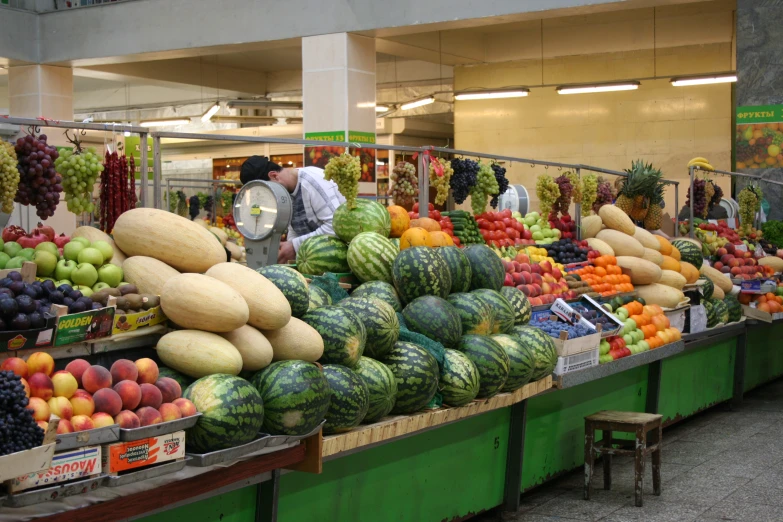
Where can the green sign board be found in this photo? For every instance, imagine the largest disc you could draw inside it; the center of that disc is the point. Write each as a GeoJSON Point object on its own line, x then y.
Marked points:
{"type": "Point", "coordinates": [325, 136]}
{"type": "Point", "coordinates": [133, 148]}
{"type": "Point", "coordinates": [361, 137]}
{"type": "Point", "coordinates": [84, 326]}
{"type": "Point", "coordinates": [760, 114]}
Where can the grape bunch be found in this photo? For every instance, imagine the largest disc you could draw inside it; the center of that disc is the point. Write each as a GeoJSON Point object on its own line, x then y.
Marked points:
{"type": "Point", "coordinates": [39, 183]}
{"type": "Point", "coordinates": [604, 194]}
{"type": "Point", "coordinates": [547, 192]}
{"type": "Point", "coordinates": [563, 202]}
{"type": "Point", "coordinates": [9, 176]}
{"type": "Point", "coordinates": [195, 207]}
{"type": "Point", "coordinates": [589, 192]}
{"type": "Point", "coordinates": [463, 179]}
{"type": "Point", "coordinates": [182, 204]}
{"type": "Point", "coordinates": [209, 205]}
{"type": "Point", "coordinates": [345, 170]}
{"type": "Point", "coordinates": [500, 177]}
{"type": "Point", "coordinates": [576, 186]}
{"type": "Point", "coordinates": [405, 184]}
{"type": "Point", "coordinates": [18, 429]}
{"type": "Point", "coordinates": [79, 170]}
{"type": "Point", "coordinates": [717, 196]}
{"type": "Point", "coordinates": [699, 198]}
{"type": "Point", "coordinates": [749, 203]}
{"type": "Point", "coordinates": [442, 181]}
{"type": "Point", "coordinates": [486, 184]}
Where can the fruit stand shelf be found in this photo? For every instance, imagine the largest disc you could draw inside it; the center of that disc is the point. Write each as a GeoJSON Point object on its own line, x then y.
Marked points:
{"type": "Point", "coordinates": [119, 342]}
{"type": "Point", "coordinates": [714, 335]}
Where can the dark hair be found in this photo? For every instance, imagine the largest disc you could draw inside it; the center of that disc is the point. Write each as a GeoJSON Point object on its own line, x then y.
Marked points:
{"type": "Point", "coordinates": [257, 167]}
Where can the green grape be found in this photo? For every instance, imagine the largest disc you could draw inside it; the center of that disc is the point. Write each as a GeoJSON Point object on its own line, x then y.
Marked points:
{"type": "Point", "coordinates": [486, 184]}
{"type": "Point", "coordinates": [576, 187]}
{"type": "Point", "coordinates": [9, 176]}
{"type": "Point", "coordinates": [405, 184]}
{"type": "Point", "coordinates": [441, 183]}
{"type": "Point", "coordinates": [547, 192]}
{"type": "Point", "coordinates": [79, 170]}
{"type": "Point", "coordinates": [589, 192]}
{"type": "Point", "coordinates": [345, 170]}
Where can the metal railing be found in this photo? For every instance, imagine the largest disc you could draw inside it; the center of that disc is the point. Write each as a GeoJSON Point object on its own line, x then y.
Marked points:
{"type": "Point", "coordinates": [48, 6]}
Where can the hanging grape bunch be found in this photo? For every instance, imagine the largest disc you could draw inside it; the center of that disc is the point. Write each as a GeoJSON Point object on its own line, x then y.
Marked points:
{"type": "Point", "coordinates": [699, 198]}
{"type": "Point", "coordinates": [39, 183]}
{"type": "Point", "coordinates": [345, 170]}
{"type": "Point", "coordinates": [463, 179]}
{"type": "Point", "coordinates": [749, 203]}
{"type": "Point", "coordinates": [9, 176]}
{"type": "Point", "coordinates": [440, 178]}
{"type": "Point", "coordinates": [18, 429]}
{"type": "Point", "coordinates": [209, 206]}
{"type": "Point", "coordinates": [172, 198]}
{"type": "Point", "coordinates": [486, 184]}
{"type": "Point", "coordinates": [79, 169]}
{"type": "Point", "coordinates": [717, 195]}
{"type": "Point", "coordinates": [604, 194]}
{"type": "Point", "coordinates": [195, 207]}
{"type": "Point", "coordinates": [547, 192]}
{"type": "Point", "coordinates": [589, 192]}
{"type": "Point", "coordinates": [500, 177]}
{"type": "Point", "coordinates": [182, 204]}
{"type": "Point", "coordinates": [563, 202]}
{"type": "Point", "coordinates": [405, 184]}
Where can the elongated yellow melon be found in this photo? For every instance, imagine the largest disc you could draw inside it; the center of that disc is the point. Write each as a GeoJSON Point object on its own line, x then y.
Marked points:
{"type": "Point", "coordinates": [196, 353]}
{"type": "Point", "coordinates": [669, 263]}
{"type": "Point", "coordinates": [653, 256]}
{"type": "Point", "coordinates": [170, 238]}
{"type": "Point", "coordinates": [255, 349]}
{"type": "Point", "coordinates": [600, 246]}
{"type": "Point", "coordinates": [622, 244]}
{"type": "Point", "coordinates": [147, 274]}
{"type": "Point", "coordinates": [717, 277]}
{"type": "Point", "coordinates": [688, 271]}
{"type": "Point", "coordinates": [93, 234]}
{"type": "Point", "coordinates": [616, 219]}
{"type": "Point", "coordinates": [269, 309]}
{"type": "Point", "coordinates": [220, 234]}
{"type": "Point", "coordinates": [673, 279]}
{"type": "Point", "coordinates": [659, 294]}
{"type": "Point", "coordinates": [296, 340]}
{"type": "Point", "coordinates": [642, 272]}
{"type": "Point", "coordinates": [203, 303]}
{"type": "Point", "coordinates": [591, 225]}
{"type": "Point", "coordinates": [666, 247]}
{"type": "Point", "coordinates": [717, 292]}
{"type": "Point", "coordinates": [646, 239]}
{"type": "Point", "coordinates": [773, 261]}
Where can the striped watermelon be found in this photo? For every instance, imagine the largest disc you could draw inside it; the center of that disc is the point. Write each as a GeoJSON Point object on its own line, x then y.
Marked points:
{"type": "Point", "coordinates": [365, 216]}
{"type": "Point", "coordinates": [382, 387]}
{"type": "Point", "coordinates": [486, 268]}
{"type": "Point", "coordinates": [735, 308]}
{"type": "Point", "coordinates": [371, 256]}
{"type": "Point", "coordinates": [183, 380]}
{"type": "Point", "coordinates": [542, 347]}
{"type": "Point", "coordinates": [380, 322]}
{"type": "Point", "coordinates": [689, 252]}
{"type": "Point", "coordinates": [459, 268]}
{"type": "Point", "coordinates": [721, 310]}
{"type": "Point", "coordinates": [435, 318]}
{"type": "Point", "coordinates": [379, 290]}
{"type": "Point", "coordinates": [231, 413]}
{"type": "Point", "coordinates": [522, 308]}
{"type": "Point", "coordinates": [349, 400]}
{"type": "Point", "coordinates": [421, 271]}
{"type": "Point", "coordinates": [476, 315]}
{"type": "Point", "coordinates": [416, 372]}
{"type": "Point", "coordinates": [318, 297]}
{"type": "Point", "coordinates": [320, 254]}
{"type": "Point", "coordinates": [504, 312]}
{"type": "Point", "coordinates": [521, 361]}
{"type": "Point", "coordinates": [712, 316]}
{"type": "Point", "coordinates": [396, 242]}
{"type": "Point", "coordinates": [707, 287]}
{"type": "Point", "coordinates": [292, 284]}
{"type": "Point", "coordinates": [343, 334]}
{"type": "Point", "coordinates": [459, 379]}
{"type": "Point", "coordinates": [491, 361]}
{"type": "Point", "coordinates": [296, 397]}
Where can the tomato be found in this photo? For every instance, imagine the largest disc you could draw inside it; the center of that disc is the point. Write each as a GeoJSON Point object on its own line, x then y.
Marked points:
{"type": "Point", "coordinates": [435, 214]}
{"type": "Point", "coordinates": [516, 225]}
{"type": "Point", "coordinates": [512, 234]}
{"type": "Point", "coordinates": [507, 221]}
{"type": "Point", "coordinates": [505, 213]}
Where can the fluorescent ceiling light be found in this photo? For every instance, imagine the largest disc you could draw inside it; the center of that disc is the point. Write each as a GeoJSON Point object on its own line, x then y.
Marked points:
{"type": "Point", "coordinates": [210, 112]}
{"type": "Point", "coordinates": [264, 104]}
{"type": "Point", "coordinates": [606, 87]}
{"type": "Point", "coordinates": [491, 95]}
{"type": "Point", "coordinates": [381, 108]}
{"type": "Point", "coordinates": [418, 103]}
{"type": "Point", "coordinates": [704, 80]}
{"type": "Point", "coordinates": [164, 123]}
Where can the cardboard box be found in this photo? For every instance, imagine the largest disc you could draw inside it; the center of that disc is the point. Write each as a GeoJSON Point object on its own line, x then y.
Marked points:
{"type": "Point", "coordinates": [609, 329]}
{"type": "Point", "coordinates": [31, 460]}
{"type": "Point", "coordinates": [566, 346]}
{"type": "Point", "coordinates": [27, 339]}
{"type": "Point", "coordinates": [129, 322]}
{"type": "Point", "coordinates": [564, 311]}
{"type": "Point", "coordinates": [68, 465]}
{"type": "Point", "coordinates": [755, 313]}
{"type": "Point", "coordinates": [83, 326]}
{"type": "Point", "coordinates": [122, 456]}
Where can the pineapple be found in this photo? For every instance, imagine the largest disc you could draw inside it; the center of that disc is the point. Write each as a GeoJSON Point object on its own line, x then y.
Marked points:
{"type": "Point", "coordinates": [652, 220]}
{"type": "Point", "coordinates": [638, 188]}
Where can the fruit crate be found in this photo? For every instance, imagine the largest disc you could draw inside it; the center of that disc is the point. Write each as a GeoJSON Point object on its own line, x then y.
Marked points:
{"type": "Point", "coordinates": [754, 313]}
{"type": "Point", "coordinates": [78, 464]}
{"type": "Point", "coordinates": [82, 326]}
{"type": "Point", "coordinates": [160, 429]}
{"type": "Point", "coordinates": [124, 323]}
{"type": "Point", "coordinates": [96, 436]}
{"type": "Point", "coordinates": [131, 455]}
{"type": "Point", "coordinates": [43, 337]}
{"type": "Point", "coordinates": [579, 361]}
{"type": "Point", "coordinates": [32, 460]}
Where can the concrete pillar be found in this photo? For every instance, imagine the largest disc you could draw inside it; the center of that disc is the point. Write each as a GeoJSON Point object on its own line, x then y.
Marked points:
{"type": "Point", "coordinates": [338, 87]}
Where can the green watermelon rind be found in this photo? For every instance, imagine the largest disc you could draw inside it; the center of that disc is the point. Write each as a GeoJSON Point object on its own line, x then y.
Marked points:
{"type": "Point", "coordinates": [459, 268]}
{"type": "Point", "coordinates": [416, 372]}
{"type": "Point", "coordinates": [543, 348]}
{"type": "Point", "coordinates": [343, 334]}
{"type": "Point", "coordinates": [371, 256]}
{"type": "Point", "coordinates": [521, 361]}
{"type": "Point", "coordinates": [459, 380]}
{"type": "Point", "coordinates": [320, 254]}
{"type": "Point", "coordinates": [349, 400]}
{"type": "Point", "coordinates": [380, 324]}
{"type": "Point", "coordinates": [504, 315]}
{"type": "Point", "coordinates": [491, 361]}
{"type": "Point", "coordinates": [434, 317]}
{"type": "Point", "coordinates": [381, 386]}
{"type": "Point", "coordinates": [318, 297]}
{"type": "Point", "coordinates": [707, 287]}
{"type": "Point", "coordinates": [486, 268]}
{"type": "Point", "coordinates": [523, 310]}
{"type": "Point", "coordinates": [735, 308]}
{"type": "Point", "coordinates": [689, 252]}
{"type": "Point", "coordinates": [365, 216]}
{"type": "Point", "coordinates": [379, 290]}
{"type": "Point", "coordinates": [476, 315]}
{"type": "Point", "coordinates": [292, 284]}
{"type": "Point", "coordinates": [419, 271]}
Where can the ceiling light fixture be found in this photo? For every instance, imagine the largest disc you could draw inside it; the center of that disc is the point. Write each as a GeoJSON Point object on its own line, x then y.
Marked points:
{"type": "Point", "coordinates": [381, 108]}
{"type": "Point", "coordinates": [703, 80]}
{"type": "Point", "coordinates": [418, 103]}
{"type": "Point", "coordinates": [491, 94]}
{"type": "Point", "coordinates": [164, 123]}
{"type": "Point", "coordinates": [210, 112]}
{"type": "Point", "coordinates": [264, 104]}
{"type": "Point", "coordinates": [603, 87]}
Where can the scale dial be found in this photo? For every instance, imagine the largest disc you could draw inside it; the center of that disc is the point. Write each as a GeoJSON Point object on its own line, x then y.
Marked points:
{"type": "Point", "coordinates": [257, 209]}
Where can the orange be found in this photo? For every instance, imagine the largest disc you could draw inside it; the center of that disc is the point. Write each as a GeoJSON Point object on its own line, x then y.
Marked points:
{"type": "Point", "coordinates": [415, 237]}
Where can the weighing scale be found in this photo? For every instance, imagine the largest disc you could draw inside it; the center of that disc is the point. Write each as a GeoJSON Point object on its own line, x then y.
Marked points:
{"type": "Point", "coordinates": [262, 213]}
{"type": "Point", "coordinates": [515, 198]}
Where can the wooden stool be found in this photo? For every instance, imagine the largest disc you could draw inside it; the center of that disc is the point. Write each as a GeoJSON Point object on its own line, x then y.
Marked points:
{"type": "Point", "coordinates": [627, 422]}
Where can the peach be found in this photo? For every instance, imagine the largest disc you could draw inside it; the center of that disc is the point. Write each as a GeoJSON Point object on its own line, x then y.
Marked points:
{"type": "Point", "coordinates": [107, 401]}
{"type": "Point", "coordinates": [61, 407]}
{"type": "Point", "coordinates": [150, 396]}
{"type": "Point", "coordinates": [64, 384]}
{"type": "Point", "coordinates": [40, 409]}
{"type": "Point", "coordinates": [169, 412]}
{"type": "Point", "coordinates": [40, 362]}
{"type": "Point", "coordinates": [82, 423]}
{"type": "Point", "coordinates": [81, 393]}
{"type": "Point", "coordinates": [41, 386]}
{"type": "Point", "coordinates": [26, 387]}
{"type": "Point", "coordinates": [148, 371]}
{"type": "Point", "coordinates": [169, 389]}
{"type": "Point", "coordinates": [95, 378]}
{"type": "Point", "coordinates": [186, 407]}
{"type": "Point", "coordinates": [44, 425]}
{"type": "Point", "coordinates": [130, 393]}
{"type": "Point", "coordinates": [123, 369]}
{"type": "Point", "coordinates": [16, 365]}
{"type": "Point", "coordinates": [77, 367]}
{"type": "Point", "coordinates": [64, 426]}
{"type": "Point", "coordinates": [148, 416]}
{"type": "Point", "coordinates": [127, 420]}
{"type": "Point", "coordinates": [101, 420]}
{"type": "Point", "coordinates": [82, 404]}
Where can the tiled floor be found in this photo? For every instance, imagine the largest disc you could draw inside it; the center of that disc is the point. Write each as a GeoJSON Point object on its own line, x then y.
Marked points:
{"type": "Point", "coordinates": [717, 466]}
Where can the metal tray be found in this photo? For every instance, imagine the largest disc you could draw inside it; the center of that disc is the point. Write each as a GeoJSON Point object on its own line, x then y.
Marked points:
{"type": "Point", "coordinates": [77, 439]}
{"type": "Point", "coordinates": [201, 460]}
{"type": "Point", "coordinates": [158, 429]}
{"type": "Point", "coordinates": [68, 489]}
{"type": "Point", "coordinates": [279, 440]}
{"type": "Point", "coordinates": [113, 481]}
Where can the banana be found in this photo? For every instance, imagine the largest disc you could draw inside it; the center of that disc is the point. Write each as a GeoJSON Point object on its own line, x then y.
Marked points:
{"type": "Point", "coordinates": [702, 165]}
{"type": "Point", "coordinates": [698, 160]}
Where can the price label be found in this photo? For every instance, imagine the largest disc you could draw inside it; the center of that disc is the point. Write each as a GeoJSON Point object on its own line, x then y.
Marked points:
{"type": "Point", "coordinates": [742, 247]}
{"type": "Point", "coordinates": [751, 286]}
{"type": "Point", "coordinates": [255, 210]}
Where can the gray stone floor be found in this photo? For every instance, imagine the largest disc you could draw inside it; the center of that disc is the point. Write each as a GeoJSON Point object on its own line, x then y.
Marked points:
{"type": "Point", "coordinates": [718, 465]}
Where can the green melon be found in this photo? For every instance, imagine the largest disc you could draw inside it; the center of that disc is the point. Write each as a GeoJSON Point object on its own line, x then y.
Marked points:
{"type": "Point", "coordinates": [504, 312]}
{"type": "Point", "coordinates": [371, 256]}
{"type": "Point", "coordinates": [486, 268]}
{"type": "Point", "coordinates": [318, 297]}
{"type": "Point", "coordinates": [381, 385]}
{"type": "Point", "coordinates": [365, 216]}
{"type": "Point", "coordinates": [721, 310]}
{"type": "Point", "coordinates": [420, 271]}
{"type": "Point", "coordinates": [689, 252]}
{"type": "Point", "coordinates": [459, 379]}
{"type": "Point", "coordinates": [521, 361]}
{"type": "Point", "coordinates": [416, 372]}
{"type": "Point", "coordinates": [707, 287]}
{"type": "Point", "coordinates": [490, 359]}
{"type": "Point", "coordinates": [435, 318]}
{"type": "Point", "coordinates": [343, 334]}
{"type": "Point", "coordinates": [183, 380]}
{"type": "Point", "coordinates": [475, 313]}
{"type": "Point", "coordinates": [735, 308]}
{"type": "Point", "coordinates": [320, 254]}
{"type": "Point", "coordinates": [379, 290]}
{"type": "Point", "coordinates": [542, 346]}
{"type": "Point", "coordinates": [712, 317]}
{"type": "Point", "coordinates": [349, 401]}
{"type": "Point", "coordinates": [522, 308]}
{"type": "Point", "coordinates": [459, 268]}
{"type": "Point", "coordinates": [292, 284]}
{"type": "Point", "coordinates": [380, 322]}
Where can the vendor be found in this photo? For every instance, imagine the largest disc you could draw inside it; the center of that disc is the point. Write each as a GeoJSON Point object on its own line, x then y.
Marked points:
{"type": "Point", "coordinates": [313, 198]}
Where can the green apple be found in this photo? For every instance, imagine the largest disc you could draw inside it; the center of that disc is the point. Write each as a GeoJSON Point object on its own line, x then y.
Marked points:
{"type": "Point", "coordinates": [48, 246]}
{"type": "Point", "coordinates": [604, 347]}
{"type": "Point", "coordinates": [643, 345]}
{"type": "Point", "coordinates": [16, 263]}
{"type": "Point", "coordinates": [99, 286]}
{"type": "Point", "coordinates": [71, 250]}
{"type": "Point", "coordinates": [83, 240]}
{"type": "Point", "coordinates": [537, 236]}
{"type": "Point", "coordinates": [123, 284]}
{"type": "Point", "coordinates": [27, 253]}
{"type": "Point", "coordinates": [529, 221]}
{"type": "Point", "coordinates": [110, 274]}
{"type": "Point", "coordinates": [92, 256]}
{"type": "Point", "coordinates": [62, 282]}
{"type": "Point", "coordinates": [547, 232]}
{"type": "Point", "coordinates": [629, 326]}
{"type": "Point", "coordinates": [84, 274]}
{"type": "Point", "coordinates": [638, 336]}
{"type": "Point", "coordinates": [85, 290]}
{"type": "Point", "coordinates": [64, 269]}
{"type": "Point", "coordinates": [4, 258]}
{"type": "Point", "coordinates": [45, 263]}
{"type": "Point", "coordinates": [622, 313]}
{"type": "Point", "coordinates": [535, 228]}
{"type": "Point", "coordinates": [628, 338]}
{"type": "Point", "coordinates": [556, 233]}
{"type": "Point", "coordinates": [12, 248]}
{"type": "Point", "coordinates": [104, 248]}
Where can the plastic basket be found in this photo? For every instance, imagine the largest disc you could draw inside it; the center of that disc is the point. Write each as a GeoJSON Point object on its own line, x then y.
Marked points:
{"type": "Point", "coordinates": [579, 361]}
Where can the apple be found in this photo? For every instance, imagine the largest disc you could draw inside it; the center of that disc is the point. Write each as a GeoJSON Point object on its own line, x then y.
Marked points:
{"type": "Point", "coordinates": [64, 269]}
{"type": "Point", "coordinates": [85, 274]}
{"type": "Point", "coordinates": [48, 246]}
{"type": "Point", "coordinates": [92, 256]}
{"type": "Point", "coordinates": [12, 248]}
{"type": "Point", "coordinates": [72, 248]}
{"type": "Point", "coordinates": [4, 258]}
{"type": "Point", "coordinates": [97, 287]}
{"type": "Point", "coordinates": [58, 284]}
{"type": "Point", "coordinates": [45, 263]}
{"type": "Point", "coordinates": [104, 248]}
{"type": "Point", "coordinates": [83, 240]}
{"type": "Point", "coordinates": [85, 290]}
{"type": "Point", "coordinates": [16, 262]}
{"type": "Point", "coordinates": [27, 253]}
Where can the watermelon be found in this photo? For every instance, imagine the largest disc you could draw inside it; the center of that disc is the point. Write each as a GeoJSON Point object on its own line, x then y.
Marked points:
{"type": "Point", "coordinates": [476, 315]}
{"type": "Point", "coordinates": [396, 242]}
{"type": "Point", "coordinates": [416, 372]}
{"type": "Point", "coordinates": [292, 284]}
{"type": "Point", "coordinates": [343, 334]}
{"type": "Point", "coordinates": [712, 316]}
{"type": "Point", "coordinates": [421, 271]}
{"type": "Point", "coordinates": [380, 322]}
{"type": "Point", "coordinates": [721, 310]}
{"type": "Point", "coordinates": [459, 268]}
{"type": "Point", "coordinates": [707, 287]}
{"type": "Point", "coordinates": [232, 413]}
{"type": "Point", "coordinates": [542, 347]}
{"type": "Point", "coordinates": [735, 308]}
{"type": "Point", "coordinates": [486, 268]}
{"type": "Point", "coordinates": [459, 379]}
{"type": "Point", "coordinates": [318, 297]}
{"type": "Point", "coordinates": [521, 361]}
{"type": "Point", "coordinates": [490, 359]}
{"type": "Point", "coordinates": [371, 256]}
{"type": "Point", "coordinates": [365, 216]}
{"type": "Point", "coordinates": [381, 385]}
{"type": "Point", "coordinates": [379, 290]}
{"type": "Point", "coordinates": [296, 397]}
{"type": "Point", "coordinates": [504, 312]}
{"type": "Point", "coordinates": [522, 308]}
{"type": "Point", "coordinates": [435, 318]}
{"type": "Point", "coordinates": [689, 252]}
{"type": "Point", "coordinates": [183, 380]}
{"type": "Point", "coordinates": [320, 254]}
{"type": "Point", "coordinates": [349, 401]}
